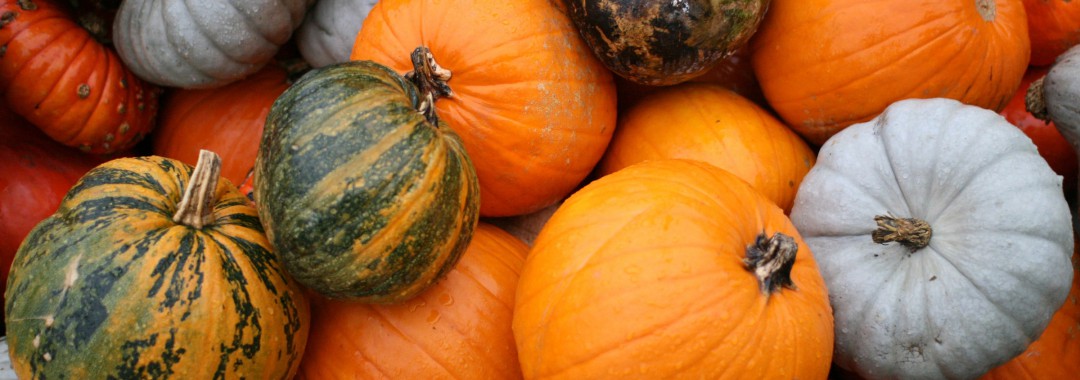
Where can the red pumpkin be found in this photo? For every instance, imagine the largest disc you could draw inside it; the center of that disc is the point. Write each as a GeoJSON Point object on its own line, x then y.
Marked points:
{"type": "Point", "coordinates": [227, 120]}
{"type": "Point", "coordinates": [458, 328]}
{"type": "Point", "coordinates": [37, 173]}
{"type": "Point", "coordinates": [1052, 146]}
{"type": "Point", "coordinates": [1053, 27]}
{"type": "Point", "coordinates": [72, 87]}
{"type": "Point", "coordinates": [533, 105]}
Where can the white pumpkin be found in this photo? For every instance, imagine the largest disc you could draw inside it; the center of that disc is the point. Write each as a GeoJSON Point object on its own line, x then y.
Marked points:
{"type": "Point", "coordinates": [202, 43]}
{"type": "Point", "coordinates": [996, 261]}
{"type": "Point", "coordinates": [329, 31]}
{"type": "Point", "coordinates": [1060, 97]}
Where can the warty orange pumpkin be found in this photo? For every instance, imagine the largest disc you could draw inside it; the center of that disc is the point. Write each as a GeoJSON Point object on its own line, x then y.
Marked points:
{"type": "Point", "coordinates": [532, 104]}
{"type": "Point", "coordinates": [671, 268]}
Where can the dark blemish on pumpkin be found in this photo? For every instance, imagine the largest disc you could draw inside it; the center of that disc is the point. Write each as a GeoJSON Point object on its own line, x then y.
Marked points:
{"type": "Point", "coordinates": [83, 91]}
{"type": "Point", "coordinates": [140, 106]}
{"type": "Point", "coordinates": [124, 128]}
{"type": "Point", "coordinates": [932, 278]}
{"type": "Point", "coordinates": [109, 137]}
{"type": "Point", "coordinates": [27, 5]}
{"type": "Point", "coordinates": [123, 83]}
{"type": "Point", "coordinates": [85, 148]}
{"type": "Point", "coordinates": [3, 50]}
{"type": "Point", "coordinates": [121, 109]}
{"type": "Point", "coordinates": [7, 18]}
{"type": "Point", "coordinates": [791, 183]}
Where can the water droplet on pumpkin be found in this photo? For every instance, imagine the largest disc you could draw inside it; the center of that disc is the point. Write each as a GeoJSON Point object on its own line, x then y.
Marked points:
{"type": "Point", "coordinates": [446, 299]}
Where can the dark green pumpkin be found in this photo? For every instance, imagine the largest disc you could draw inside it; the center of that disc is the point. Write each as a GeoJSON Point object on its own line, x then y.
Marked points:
{"type": "Point", "coordinates": [365, 197]}
{"type": "Point", "coordinates": [665, 42]}
{"type": "Point", "coordinates": [110, 286]}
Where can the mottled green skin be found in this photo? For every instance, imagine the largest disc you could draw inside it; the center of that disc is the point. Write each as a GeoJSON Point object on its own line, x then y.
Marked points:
{"type": "Point", "coordinates": [363, 197]}
{"type": "Point", "coordinates": [664, 42]}
{"type": "Point", "coordinates": [110, 287]}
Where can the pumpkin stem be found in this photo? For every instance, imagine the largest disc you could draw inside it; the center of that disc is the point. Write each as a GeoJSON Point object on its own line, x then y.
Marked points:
{"type": "Point", "coordinates": [909, 232]}
{"type": "Point", "coordinates": [431, 79]}
{"type": "Point", "coordinates": [771, 260]}
{"type": "Point", "coordinates": [196, 208]}
{"type": "Point", "coordinates": [1035, 101]}
{"type": "Point", "coordinates": [987, 9]}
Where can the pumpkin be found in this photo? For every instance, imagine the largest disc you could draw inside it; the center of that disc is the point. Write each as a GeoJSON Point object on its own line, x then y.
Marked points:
{"type": "Point", "coordinates": [713, 124]}
{"type": "Point", "coordinates": [671, 268]}
{"type": "Point", "coordinates": [1052, 146]}
{"type": "Point", "coordinates": [1056, 354]}
{"type": "Point", "coordinates": [329, 30]}
{"type": "Point", "coordinates": [366, 194]}
{"type": "Point", "coordinates": [37, 173]}
{"type": "Point", "coordinates": [458, 328]}
{"type": "Point", "coordinates": [1053, 27]}
{"type": "Point", "coordinates": [826, 64]}
{"type": "Point", "coordinates": [150, 269]}
{"type": "Point", "coordinates": [532, 104]}
{"type": "Point", "coordinates": [227, 120]}
{"type": "Point", "coordinates": [202, 44]}
{"type": "Point", "coordinates": [1055, 96]}
{"type": "Point", "coordinates": [665, 42]}
{"type": "Point", "coordinates": [934, 224]}
{"type": "Point", "coordinates": [76, 90]}
{"type": "Point", "coordinates": [733, 72]}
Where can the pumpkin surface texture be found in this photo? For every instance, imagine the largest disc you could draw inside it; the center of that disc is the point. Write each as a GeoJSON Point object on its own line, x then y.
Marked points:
{"type": "Point", "coordinates": [532, 104]}
{"type": "Point", "coordinates": [76, 90]}
{"type": "Point", "coordinates": [709, 123]}
{"type": "Point", "coordinates": [329, 30]}
{"type": "Point", "coordinates": [203, 43]}
{"type": "Point", "coordinates": [944, 239]}
{"type": "Point", "coordinates": [149, 269]}
{"type": "Point", "coordinates": [1053, 27]}
{"type": "Point", "coordinates": [671, 268]}
{"type": "Point", "coordinates": [665, 42]}
{"type": "Point", "coordinates": [457, 329]}
{"type": "Point", "coordinates": [227, 120]}
{"type": "Point", "coordinates": [364, 196]}
{"type": "Point", "coordinates": [826, 64]}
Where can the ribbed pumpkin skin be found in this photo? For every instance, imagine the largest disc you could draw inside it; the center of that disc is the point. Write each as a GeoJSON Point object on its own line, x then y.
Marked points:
{"type": "Point", "coordinates": [111, 287]}
{"type": "Point", "coordinates": [361, 195]}
{"type": "Point", "coordinates": [1053, 26]}
{"type": "Point", "coordinates": [1056, 354]}
{"type": "Point", "coordinates": [710, 123]}
{"type": "Point", "coordinates": [533, 105]}
{"type": "Point", "coordinates": [457, 329]}
{"type": "Point", "coordinates": [640, 274]}
{"type": "Point", "coordinates": [826, 64]}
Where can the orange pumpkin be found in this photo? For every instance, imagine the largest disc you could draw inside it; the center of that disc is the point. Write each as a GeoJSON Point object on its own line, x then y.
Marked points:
{"type": "Point", "coordinates": [671, 268]}
{"type": "Point", "coordinates": [713, 124]}
{"type": "Point", "coordinates": [458, 328]}
{"type": "Point", "coordinates": [532, 103]}
{"type": "Point", "coordinates": [1053, 26]}
{"type": "Point", "coordinates": [1056, 354]}
{"type": "Point", "coordinates": [827, 64]}
{"type": "Point", "coordinates": [227, 120]}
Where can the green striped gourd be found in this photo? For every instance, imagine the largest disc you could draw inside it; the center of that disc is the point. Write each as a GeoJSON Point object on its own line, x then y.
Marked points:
{"type": "Point", "coordinates": [362, 190]}
{"type": "Point", "coordinates": [149, 269]}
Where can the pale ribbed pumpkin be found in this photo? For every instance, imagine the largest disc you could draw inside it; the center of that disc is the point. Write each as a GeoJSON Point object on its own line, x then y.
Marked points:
{"type": "Point", "coordinates": [149, 269]}
{"type": "Point", "coordinates": [363, 190]}
{"type": "Point", "coordinates": [671, 268]}
{"type": "Point", "coordinates": [457, 329]}
{"type": "Point", "coordinates": [710, 123]}
{"type": "Point", "coordinates": [532, 104]}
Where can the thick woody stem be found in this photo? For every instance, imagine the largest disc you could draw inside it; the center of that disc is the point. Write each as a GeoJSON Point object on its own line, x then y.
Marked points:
{"type": "Point", "coordinates": [910, 232]}
{"type": "Point", "coordinates": [196, 208]}
{"type": "Point", "coordinates": [770, 259]}
{"type": "Point", "coordinates": [430, 79]}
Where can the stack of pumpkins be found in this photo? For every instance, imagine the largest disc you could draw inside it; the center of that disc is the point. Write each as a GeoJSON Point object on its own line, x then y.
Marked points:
{"type": "Point", "coordinates": [540, 189]}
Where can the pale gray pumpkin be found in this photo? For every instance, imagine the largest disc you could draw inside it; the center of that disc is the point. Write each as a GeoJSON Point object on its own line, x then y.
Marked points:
{"type": "Point", "coordinates": [202, 43]}
{"type": "Point", "coordinates": [1058, 96]}
{"type": "Point", "coordinates": [996, 264]}
{"type": "Point", "coordinates": [329, 30]}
